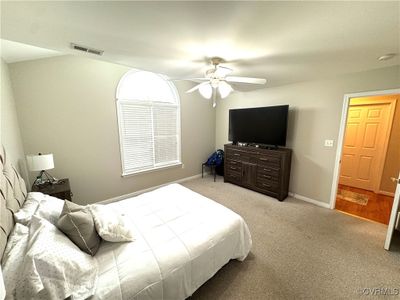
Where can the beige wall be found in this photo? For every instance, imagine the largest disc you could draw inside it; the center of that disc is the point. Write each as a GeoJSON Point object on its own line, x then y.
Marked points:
{"type": "Point", "coordinates": [10, 135]}
{"type": "Point", "coordinates": [66, 106]}
{"type": "Point", "coordinates": [315, 112]}
{"type": "Point", "coordinates": [392, 161]}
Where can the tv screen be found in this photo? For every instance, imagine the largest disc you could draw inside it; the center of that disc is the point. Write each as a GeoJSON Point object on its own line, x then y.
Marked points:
{"type": "Point", "coordinates": [261, 125]}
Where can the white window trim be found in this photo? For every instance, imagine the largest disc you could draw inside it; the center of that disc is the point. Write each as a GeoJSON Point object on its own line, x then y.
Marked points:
{"type": "Point", "coordinates": [158, 167]}
{"type": "Point", "coordinates": [150, 170]}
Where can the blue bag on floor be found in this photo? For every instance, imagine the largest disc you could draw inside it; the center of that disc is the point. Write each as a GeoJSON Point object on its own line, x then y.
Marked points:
{"type": "Point", "coordinates": [216, 159]}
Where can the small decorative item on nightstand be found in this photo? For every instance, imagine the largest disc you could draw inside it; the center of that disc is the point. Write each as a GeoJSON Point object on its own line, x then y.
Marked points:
{"type": "Point", "coordinates": [61, 189]}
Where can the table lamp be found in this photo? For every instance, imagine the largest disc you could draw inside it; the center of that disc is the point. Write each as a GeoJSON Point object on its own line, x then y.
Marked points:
{"type": "Point", "coordinates": [41, 162]}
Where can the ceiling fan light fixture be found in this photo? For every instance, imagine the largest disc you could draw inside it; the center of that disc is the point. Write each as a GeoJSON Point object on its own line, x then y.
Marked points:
{"type": "Point", "coordinates": [206, 91]}
{"type": "Point", "coordinates": [224, 89]}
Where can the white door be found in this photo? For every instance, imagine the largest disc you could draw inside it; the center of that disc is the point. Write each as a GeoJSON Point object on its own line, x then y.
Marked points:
{"type": "Point", "coordinates": [366, 139]}
{"type": "Point", "coordinates": [394, 214]}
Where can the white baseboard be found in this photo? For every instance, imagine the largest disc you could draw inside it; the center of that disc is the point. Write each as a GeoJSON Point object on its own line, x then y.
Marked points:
{"type": "Point", "coordinates": [309, 200]}
{"type": "Point", "coordinates": [133, 194]}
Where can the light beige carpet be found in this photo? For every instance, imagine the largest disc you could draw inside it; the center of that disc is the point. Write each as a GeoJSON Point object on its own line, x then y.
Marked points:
{"type": "Point", "coordinates": [300, 251]}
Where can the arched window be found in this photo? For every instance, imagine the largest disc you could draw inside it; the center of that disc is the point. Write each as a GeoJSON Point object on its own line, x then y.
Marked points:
{"type": "Point", "coordinates": [149, 122]}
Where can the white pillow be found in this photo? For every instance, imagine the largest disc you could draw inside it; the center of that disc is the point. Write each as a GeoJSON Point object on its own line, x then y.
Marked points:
{"type": "Point", "coordinates": [50, 209]}
{"type": "Point", "coordinates": [54, 267]}
{"type": "Point", "coordinates": [26, 212]}
{"type": "Point", "coordinates": [13, 258]}
{"type": "Point", "coordinates": [111, 225]}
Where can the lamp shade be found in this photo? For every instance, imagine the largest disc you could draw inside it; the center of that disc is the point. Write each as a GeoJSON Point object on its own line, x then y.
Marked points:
{"type": "Point", "coordinates": [40, 162]}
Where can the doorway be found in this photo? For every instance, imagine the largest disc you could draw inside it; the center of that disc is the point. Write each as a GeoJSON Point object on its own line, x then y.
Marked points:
{"type": "Point", "coordinates": [368, 156]}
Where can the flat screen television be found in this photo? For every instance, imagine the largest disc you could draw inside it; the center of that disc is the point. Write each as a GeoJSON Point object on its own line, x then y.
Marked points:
{"type": "Point", "coordinates": [260, 125]}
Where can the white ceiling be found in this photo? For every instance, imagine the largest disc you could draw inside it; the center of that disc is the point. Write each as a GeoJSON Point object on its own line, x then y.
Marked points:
{"type": "Point", "coordinates": [283, 42]}
{"type": "Point", "coordinates": [14, 52]}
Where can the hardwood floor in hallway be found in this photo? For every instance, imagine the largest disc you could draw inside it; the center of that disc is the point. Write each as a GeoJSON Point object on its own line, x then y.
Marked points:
{"type": "Point", "coordinates": [377, 209]}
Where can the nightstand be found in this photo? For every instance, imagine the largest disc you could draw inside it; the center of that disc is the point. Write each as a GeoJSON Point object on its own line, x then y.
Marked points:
{"type": "Point", "coordinates": [61, 189]}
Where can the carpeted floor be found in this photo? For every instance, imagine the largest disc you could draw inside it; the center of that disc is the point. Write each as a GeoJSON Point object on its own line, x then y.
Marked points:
{"type": "Point", "coordinates": [300, 251]}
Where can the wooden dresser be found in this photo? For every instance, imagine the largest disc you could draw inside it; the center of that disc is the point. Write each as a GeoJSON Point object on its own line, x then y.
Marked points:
{"type": "Point", "coordinates": [262, 170]}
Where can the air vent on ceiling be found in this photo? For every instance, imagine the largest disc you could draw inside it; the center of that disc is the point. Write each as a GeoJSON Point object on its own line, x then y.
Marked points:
{"type": "Point", "coordinates": [86, 49]}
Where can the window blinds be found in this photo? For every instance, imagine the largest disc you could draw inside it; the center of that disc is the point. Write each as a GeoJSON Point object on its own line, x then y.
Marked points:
{"type": "Point", "coordinates": [149, 135]}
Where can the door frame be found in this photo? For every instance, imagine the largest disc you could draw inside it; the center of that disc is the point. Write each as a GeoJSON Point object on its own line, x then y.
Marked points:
{"type": "Point", "coordinates": [393, 216]}
{"type": "Point", "coordinates": [342, 128]}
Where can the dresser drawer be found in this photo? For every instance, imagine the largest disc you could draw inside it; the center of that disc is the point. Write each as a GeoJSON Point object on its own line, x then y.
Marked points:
{"type": "Point", "coordinates": [268, 185]}
{"type": "Point", "coordinates": [271, 177]}
{"type": "Point", "coordinates": [233, 163]}
{"type": "Point", "coordinates": [234, 168]}
{"type": "Point", "coordinates": [237, 155]}
{"type": "Point", "coordinates": [269, 160]}
{"type": "Point", "coordinates": [269, 170]}
{"type": "Point", "coordinates": [233, 176]}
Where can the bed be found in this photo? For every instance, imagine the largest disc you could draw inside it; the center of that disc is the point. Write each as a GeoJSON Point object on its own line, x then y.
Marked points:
{"type": "Point", "coordinates": [181, 240]}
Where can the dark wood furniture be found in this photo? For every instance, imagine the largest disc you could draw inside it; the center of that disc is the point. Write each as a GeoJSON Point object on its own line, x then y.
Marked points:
{"type": "Point", "coordinates": [61, 189]}
{"type": "Point", "coordinates": [212, 168]}
{"type": "Point", "coordinates": [262, 170]}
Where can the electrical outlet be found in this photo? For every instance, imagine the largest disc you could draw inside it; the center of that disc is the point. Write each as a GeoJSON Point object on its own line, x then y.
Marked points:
{"type": "Point", "coordinates": [329, 143]}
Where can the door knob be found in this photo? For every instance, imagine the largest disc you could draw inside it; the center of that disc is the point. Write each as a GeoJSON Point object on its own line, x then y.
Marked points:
{"type": "Point", "coordinates": [395, 179]}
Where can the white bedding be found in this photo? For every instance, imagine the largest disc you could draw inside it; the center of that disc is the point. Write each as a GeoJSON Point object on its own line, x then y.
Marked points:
{"type": "Point", "coordinates": [181, 240]}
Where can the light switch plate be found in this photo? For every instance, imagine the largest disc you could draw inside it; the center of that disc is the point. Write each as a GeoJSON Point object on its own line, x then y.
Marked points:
{"type": "Point", "coordinates": [328, 143]}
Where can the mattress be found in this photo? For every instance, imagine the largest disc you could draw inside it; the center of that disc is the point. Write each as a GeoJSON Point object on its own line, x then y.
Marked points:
{"type": "Point", "coordinates": [181, 240]}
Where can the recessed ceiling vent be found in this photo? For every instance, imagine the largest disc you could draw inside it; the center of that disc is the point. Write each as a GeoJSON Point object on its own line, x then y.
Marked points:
{"type": "Point", "coordinates": [86, 49]}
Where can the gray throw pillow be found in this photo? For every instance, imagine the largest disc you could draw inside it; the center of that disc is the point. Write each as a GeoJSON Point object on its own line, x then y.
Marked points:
{"type": "Point", "coordinates": [77, 223]}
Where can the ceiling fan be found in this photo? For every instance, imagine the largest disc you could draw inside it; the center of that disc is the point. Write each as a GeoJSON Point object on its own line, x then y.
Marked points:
{"type": "Point", "coordinates": [217, 79]}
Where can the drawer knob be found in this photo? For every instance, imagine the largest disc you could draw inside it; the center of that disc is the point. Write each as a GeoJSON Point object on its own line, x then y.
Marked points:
{"type": "Point", "coordinates": [267, 176]}
{"type": "Point", "coordinates": [233, 168]}
{"type": "Point", "coordinates": [236, 154]}
{"type": "Point", "coordinates": [267, 185]}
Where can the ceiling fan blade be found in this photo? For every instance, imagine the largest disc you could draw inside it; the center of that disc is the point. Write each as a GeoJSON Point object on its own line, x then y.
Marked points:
{"type": "Point", "coordinates": [199, 79]}
{"type": "Point", "coordinates": [222, 71]}
{"type": "Point", "coordinates": [196, 87]}
{"type": "Point", "coordinates": [250, 80]}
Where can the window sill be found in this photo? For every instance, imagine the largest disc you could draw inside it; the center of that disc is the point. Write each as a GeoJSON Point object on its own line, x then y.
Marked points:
{"type": "Point", "coordinates": [133, 173]}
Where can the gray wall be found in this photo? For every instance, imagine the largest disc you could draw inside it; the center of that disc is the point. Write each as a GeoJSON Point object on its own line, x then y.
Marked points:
{"type": "Point", "coordinates": [66, 106]}
{"type": "Point", "coordinates": [10, 135]}
{"type": "Point", "coordinates": [315, 112]}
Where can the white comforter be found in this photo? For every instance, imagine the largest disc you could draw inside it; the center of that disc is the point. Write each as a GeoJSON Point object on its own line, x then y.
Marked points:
{"type": "Point", "coordinates": [182, 240]}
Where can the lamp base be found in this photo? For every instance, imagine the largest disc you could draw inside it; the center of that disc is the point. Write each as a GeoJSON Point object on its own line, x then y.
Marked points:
{"type": "Point", "coordinates": [44, 178]}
